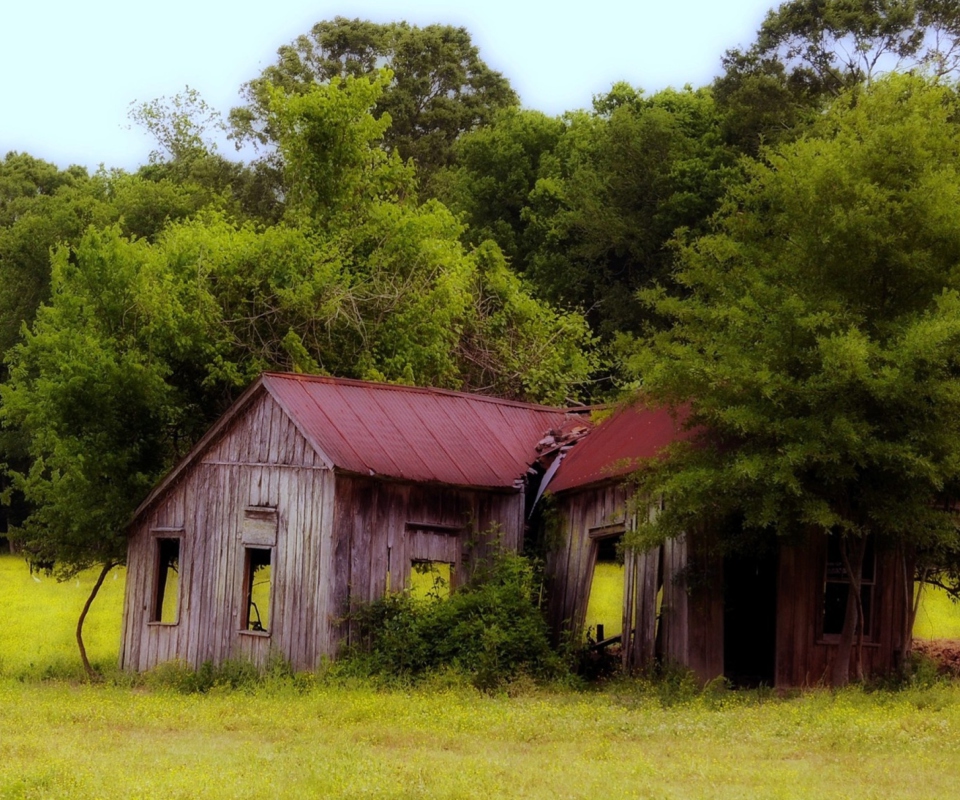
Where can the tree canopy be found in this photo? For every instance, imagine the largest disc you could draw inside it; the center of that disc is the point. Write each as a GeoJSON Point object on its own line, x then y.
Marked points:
{"type": "Point", "coordinates": [585, 205]}
{"type": "Point", "coordinates": [808, 51]}
{"type": "Point", "coordinates": [144, 341]}
{"type": "Point", "coordinates": [440, 86]}
{"type": "Point", "coordinates": [816, 340]}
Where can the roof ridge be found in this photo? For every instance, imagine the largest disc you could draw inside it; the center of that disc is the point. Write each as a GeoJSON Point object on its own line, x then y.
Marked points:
{"type": "Point", "coordinates": [307, 378]}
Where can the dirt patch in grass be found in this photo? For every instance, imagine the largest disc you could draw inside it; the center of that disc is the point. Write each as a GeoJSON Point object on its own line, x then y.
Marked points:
{"type": "Point", "coordinates": [944, 652]}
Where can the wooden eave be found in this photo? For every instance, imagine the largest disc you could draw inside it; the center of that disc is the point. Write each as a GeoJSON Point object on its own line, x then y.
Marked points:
{"type": "Point", "coordinates": [515, 489]}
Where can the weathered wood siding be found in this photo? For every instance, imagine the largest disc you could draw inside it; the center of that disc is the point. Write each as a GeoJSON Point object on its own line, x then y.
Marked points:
{"type": "Point", "coordinates": [689, 624]}
{"type": "Point", "coordinates": [640, 614]}
{"type": "Point", "coordinates": [700, 585]}
{"type": "Point", "coordinates": [691, 615]}
{"type": "Point", "coordinates": [381, 526]}
{"type": "Point", "coordinates": [803, 657]}
{"type": "Point", "coordinates": [570, 563]}
{"type": "Point", "coordinates": [261, 460]}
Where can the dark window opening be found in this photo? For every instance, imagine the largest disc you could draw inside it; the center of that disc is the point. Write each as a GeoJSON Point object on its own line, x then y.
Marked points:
{"type": "Point", "coordinates": [257, 581]}
{"type": "Point", "coordinates": [836, 589]}
{"type": "Point", "coordinates": [167, 586]}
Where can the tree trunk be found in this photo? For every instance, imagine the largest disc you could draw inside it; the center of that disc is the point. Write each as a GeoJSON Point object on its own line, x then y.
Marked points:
{"type": "Point", "coordinates": [853, 619]}
{"type": "Point", "coordinates": [109, 565]}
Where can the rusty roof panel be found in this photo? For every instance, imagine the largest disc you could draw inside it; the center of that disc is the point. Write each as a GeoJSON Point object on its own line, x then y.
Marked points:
{"type": "Point", "coordinates": [619, 445]}
{"type": "Point", "coordinates": [428, 435]}
{"type": "Point", "coordinates": [450, 441]}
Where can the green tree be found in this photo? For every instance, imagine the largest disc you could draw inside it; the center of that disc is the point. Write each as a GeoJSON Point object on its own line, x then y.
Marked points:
{"type": "Point", "coordinates": [611, 195]}
{"type": "Point", "coordinates": [91, 388]}
{"type": "Point", "coordinates": [183, 127]}
{"type": "Point", "coordinates": [144, 341]}
{"type": "Point", "coordinates": [808, 51]}
{"type": "Point", "coordinates": [816, 341]}
{"type": "Point", "coordinates": [440, 88]}
{"type": "Point", "coordinates": [496, 168]}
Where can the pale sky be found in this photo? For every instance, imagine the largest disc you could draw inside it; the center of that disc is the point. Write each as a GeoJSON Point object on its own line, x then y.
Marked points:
{"type": "Point", "coordinates": [69, 69]}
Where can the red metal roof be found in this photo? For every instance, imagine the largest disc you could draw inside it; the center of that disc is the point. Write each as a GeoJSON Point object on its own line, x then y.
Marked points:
{"type": "Point", "coordinates": [619, 445]}
{"type": "Point", "coordinates": [429, 435]}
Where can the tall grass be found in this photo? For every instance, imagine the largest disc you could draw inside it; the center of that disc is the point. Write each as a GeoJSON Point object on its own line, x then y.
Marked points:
{"type": "Point", "coordinates": [40, 617]}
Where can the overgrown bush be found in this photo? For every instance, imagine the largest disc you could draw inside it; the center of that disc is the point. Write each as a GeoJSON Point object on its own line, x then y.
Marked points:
{"type": "Point", "coordinates": [490, 629]}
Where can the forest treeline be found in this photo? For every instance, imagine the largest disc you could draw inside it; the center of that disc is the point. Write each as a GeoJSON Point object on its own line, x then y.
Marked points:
{"type": "Point", "coordinates": [407, 219]}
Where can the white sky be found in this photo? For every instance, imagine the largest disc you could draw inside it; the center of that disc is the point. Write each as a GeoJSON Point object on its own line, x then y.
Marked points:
{"type": "Point", "coordinates": [70, 68]}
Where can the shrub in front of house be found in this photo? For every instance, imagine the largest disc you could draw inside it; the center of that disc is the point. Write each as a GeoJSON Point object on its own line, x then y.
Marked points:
{"type": "Point", "coordinates": [489, 629]}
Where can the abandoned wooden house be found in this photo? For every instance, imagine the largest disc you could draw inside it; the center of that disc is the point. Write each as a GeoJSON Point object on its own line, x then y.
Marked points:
{"type": "Point", "coordinates": [311, 495]}
{"type": "Point", "coordinates": [772, 618]}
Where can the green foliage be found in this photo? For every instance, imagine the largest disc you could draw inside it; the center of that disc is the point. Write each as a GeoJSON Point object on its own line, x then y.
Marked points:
{"type": "Point", "coordinates": [440, 86]}
{"type": "Point", "coordinates": [187, 158]}
{"type": "Point", "coordinates": [490, 629]}
{"type": "Point", "coordinates": [331, 147]}
{"type": "Point", "coordinates": [583, 206]}
{"type": "Point", "coordinates": [807, 51]}
{"type": "Point", "coordinates": [89, 387]}
{"type": "Point", "coordinates": [145, 341]}
{"type": "Point", "coordinates": [818, 339]}
{"type": "Point", "coordinates": [42, 208]}
{"type": "Point", "coordinates": [230, 675]}
{"type": "Point", "coordinates": [496, 168]}
{"type": "Point", "coordinates": [816, 342]}
{"type": "Point", "coordinates": [835, 44]}
{"type": "Point", "coordinates": [516, 346]}
{"type": "Point", "coordinates": [180, 125]}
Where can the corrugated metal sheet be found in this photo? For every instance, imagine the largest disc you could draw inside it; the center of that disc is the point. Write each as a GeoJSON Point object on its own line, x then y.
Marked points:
{"type": "Point", "coordinates": [424, 435]}
{"type": "Point", "coordinates": [618, 445]}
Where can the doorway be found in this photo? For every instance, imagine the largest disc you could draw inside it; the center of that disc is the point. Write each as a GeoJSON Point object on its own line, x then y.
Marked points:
{"type": "Point", "coordinates": [750, 618]}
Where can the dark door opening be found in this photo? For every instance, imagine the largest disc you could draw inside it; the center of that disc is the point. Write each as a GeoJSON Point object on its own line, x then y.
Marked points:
{"type": "Point", "coordinates": [750, 619]}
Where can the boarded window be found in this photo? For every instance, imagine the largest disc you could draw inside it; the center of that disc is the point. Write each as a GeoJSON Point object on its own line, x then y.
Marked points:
{"type": "Point", "coordinates": [836, 589]}
{"type": "Point", "coordinates": [430, 579]}
{"type": "Point", "coordinates": [605, 604]}
{"type": "Point", "coordinates": [434, 553]}
{"type": "Point", "coordinates": [256, 588]}
{"type": "Point", "coordinates": [259, 526]}
{"type": "Point", "coordinates": [166, 594]}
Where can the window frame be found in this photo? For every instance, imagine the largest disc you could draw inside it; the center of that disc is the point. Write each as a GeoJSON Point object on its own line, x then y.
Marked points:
{"type": "Point", "coordinates": [247, 592]}
{"type": "Point", "coordinates": [432, 542]}
{"type": "Point", "coordinates": [158, 587]}
{"type": "Point", "coordinates": [871, 618]}
{"type": "Point", "coordinates": [598, 537]}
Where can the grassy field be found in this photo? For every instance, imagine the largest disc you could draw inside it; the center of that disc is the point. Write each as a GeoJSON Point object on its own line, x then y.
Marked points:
{"type": "Point", "coordinates": [938, 616]}
{"type": "Point", "coordinates": [38, 634]}
{"type": "Point", "coordinates": [315, 736]}
{"type": "Point", "coordinates": [76, 741]}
